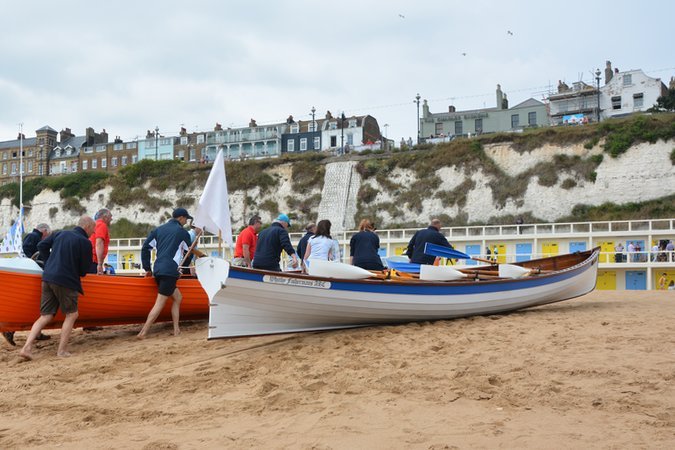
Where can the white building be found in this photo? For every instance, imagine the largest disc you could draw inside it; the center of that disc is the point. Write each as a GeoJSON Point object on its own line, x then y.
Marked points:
{"type": "Point", "coordinates": [628, 92]}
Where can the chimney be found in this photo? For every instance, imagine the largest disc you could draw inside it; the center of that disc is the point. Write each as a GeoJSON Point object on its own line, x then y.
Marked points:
{"type": "Point", "coordinates": [425, 109]}
{"type": "Point", "coordinates": [608, 72]}
{"type": "Point", "coordinates": [328, 115]}
{"type": "Point", "coordinates": [452, 109]}
{"type": "Point", "coordinates": [65, 135]}
{"type": "Point", "coordinates": [500, 97]}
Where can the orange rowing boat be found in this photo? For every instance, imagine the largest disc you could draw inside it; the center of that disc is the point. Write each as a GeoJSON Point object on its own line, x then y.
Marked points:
{"type": "Point", "coordinates": [107, 300]}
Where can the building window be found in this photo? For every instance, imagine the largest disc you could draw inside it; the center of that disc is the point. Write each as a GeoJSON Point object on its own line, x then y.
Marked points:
{"type": "Point", "coordinates": [181, 155]}
{"type": "Point", "coordinates": [13, 168]}
{"type": "Point", "coordinates": [30, 166]}
{"type": "Point", "coordinates": [333, 125]}
{"type": "Point", "coordinates": [290, 145]}
{"type": "Point", "coordinates": [317, 143]}
{"type": "Point", "coordinates": [638, 100]}
{"type": "Point", "coordinates": [104, 163]}
{"type": "Point", "coordinates": [85, 164]}
{"type": "Point", "coordinates": [303, 144]}
{"type": "Point", "coordinates": [40, 169]}
{"type": "Point", "coordinates": [124, 161]}
{"type": "Point", "coordinates": [100, 148]}
{"type": "Point", "coordinates": [73, 167]}
{"type": "Point", "coordinates": [113, 161]}
{"type": "Point", "coordinates": [4, 155]}
{"type": "Point", "coordinates": [200, 139]}
{"type": "Point", "coordinates": [352, 123]}
{"type": "Point", "coordinates": [459, 130]}
{"type": "Point", "coordinates": [30, 153]}
{"type": "Point", "coordinates": [295, 128]}
{"type": "Point", "coordinates": [350, 139]}
{"type": "Point", "coordinates": [193, 154]}
{"type": "Point", "coordinates": [515, 120]}
{"type": "Point", "coordinates": [627, 79]}
{"type": "Point", "coordinates": [616, 102]}
{"type": "Point", "coordinates": [438, 128]}
{"type": "Point", "coordinates": [183, 140]}
{"type": "Point", "coordinates": [130, 145]}
{"type": "Point", "coordinates": [312, 126]}
{"type": "Point", "coordinates": [479, 126]}
{"type": "Point", "coordinates": [118, 146]}
{"type": "Point", "coordinates": [532, 118]}
{"type": "Point", "coordinates": [94, 163]}
{"type": "Point", "coordinates": [89, 149]}
{"type": "Point", "coordinates": [134, 159]}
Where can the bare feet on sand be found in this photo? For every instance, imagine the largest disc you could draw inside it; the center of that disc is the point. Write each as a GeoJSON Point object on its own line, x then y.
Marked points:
{"type": "Point", "coordinates": [26, 354]}
{"type": "Point", "coordinates": [140, 336]}
{"type": "Point", "coordinates": [176, 332]}
{"type": "Point", "coordinates": [64, 354]}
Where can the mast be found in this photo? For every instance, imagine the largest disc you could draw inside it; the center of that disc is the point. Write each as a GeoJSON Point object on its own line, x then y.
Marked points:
{"type": "Point", "coordinates": [21, 172]}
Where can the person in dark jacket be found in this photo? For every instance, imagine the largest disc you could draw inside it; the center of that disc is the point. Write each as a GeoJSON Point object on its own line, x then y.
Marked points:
{"type": "Point", "coordinates": [171, 241]}
{"type": "Point", "coordinates": [364, 246]}
{"type": "Point", "coordinates": [31, 240]}
{"type": "Point", "coordinates": [270, 243]}
{"type": "Point", "coordinates": [29, 248]}
{"type": "Point", "coordinates": [67, 257]}
{"type": "Point", "coordinates": [302, 245]}
{"type": "Point", "coordinates": [416, 245]}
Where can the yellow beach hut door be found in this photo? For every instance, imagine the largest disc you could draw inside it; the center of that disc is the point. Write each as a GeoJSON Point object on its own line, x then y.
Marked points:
{"type": "Point", "coordinates": [606, 280]}
{"type": "Point", "coordinates": [549, 249]}
{"type": "Point", "coordinates": [607, 252]}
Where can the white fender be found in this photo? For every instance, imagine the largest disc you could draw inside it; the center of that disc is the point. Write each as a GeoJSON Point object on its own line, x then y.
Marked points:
{"type": "Point", "coordinates": [331, 269]}
{"type": "Point", "coordinates": [439, 273]}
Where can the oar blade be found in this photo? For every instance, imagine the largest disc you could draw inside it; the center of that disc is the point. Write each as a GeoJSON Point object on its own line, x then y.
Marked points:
{"type": "Point", "coordinates": [444, 252]}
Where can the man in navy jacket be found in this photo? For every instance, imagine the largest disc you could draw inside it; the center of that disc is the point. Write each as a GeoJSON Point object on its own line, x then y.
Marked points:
{"type": "Point", "coordinates": [416, 245]}
{"type": "Point", "coordinates": [67, 256]}
{"type": "Point", "coordinates": [171, 241]}
{"type": "Point", "coordinates": [270, 243]}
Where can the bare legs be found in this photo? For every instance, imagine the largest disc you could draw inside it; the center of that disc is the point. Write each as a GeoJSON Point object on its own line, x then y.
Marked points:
{"type": "Point", "coordinates": [68, 323]}
{"type": "Point", "coordinates": [157, 309]}
{"type": "Point", "coordinates": [66, 329]}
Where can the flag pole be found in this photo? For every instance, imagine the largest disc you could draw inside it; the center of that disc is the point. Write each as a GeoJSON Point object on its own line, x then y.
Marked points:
{"type": "Point", "coordinates": [20, 171]}
{"type": "Point", "coordinates": [220, 244]}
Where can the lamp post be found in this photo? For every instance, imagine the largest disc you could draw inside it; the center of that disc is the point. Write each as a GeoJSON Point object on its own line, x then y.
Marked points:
{"type": "Point", "coordinates": [313, 110]}
{"type": "Point", "coordinates": [597, 80]}
{"type": "Point", "coordinates": [156, 143]}
{"type": "Point", "coordinates": [342, 133]}
{"type": "Point", "coordinates": [417, 100]}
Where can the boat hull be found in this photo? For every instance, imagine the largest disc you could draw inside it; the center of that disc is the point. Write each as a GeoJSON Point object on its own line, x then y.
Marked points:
{"type": "Point", "coordinates": [107, 300]}
{"type": "Point", "coordinates": [258, 302]}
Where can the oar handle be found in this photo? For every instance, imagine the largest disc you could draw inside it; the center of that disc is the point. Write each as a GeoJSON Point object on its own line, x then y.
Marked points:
{"type": "Point", "coordinates": [483, 260]}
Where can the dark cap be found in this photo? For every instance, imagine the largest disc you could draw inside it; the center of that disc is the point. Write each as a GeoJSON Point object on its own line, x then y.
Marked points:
{"type": "Point", "coordinates": [180, 212]}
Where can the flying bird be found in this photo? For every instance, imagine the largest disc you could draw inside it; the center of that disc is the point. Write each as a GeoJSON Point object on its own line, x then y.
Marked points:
{"type": "Point", "coordinates": [509, 32]}
{"type": "Point", "coordinates": [401, 16]}
{"type": "Point", "coordinates": [463, 54]}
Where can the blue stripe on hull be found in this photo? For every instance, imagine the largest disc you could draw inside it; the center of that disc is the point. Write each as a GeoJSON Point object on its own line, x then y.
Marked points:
{"type": "Point", "coordinates": [463, 288]}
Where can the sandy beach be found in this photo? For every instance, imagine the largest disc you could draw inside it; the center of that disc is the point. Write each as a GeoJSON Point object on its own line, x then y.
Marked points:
{"type": "Point", "coordinates": [594, 372]}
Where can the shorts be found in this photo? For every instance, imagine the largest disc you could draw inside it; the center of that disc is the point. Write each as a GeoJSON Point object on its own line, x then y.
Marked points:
{"type": "Point", "coordinates": [166, 285]}
{"type": "Point", "coordinates": [55, 297]}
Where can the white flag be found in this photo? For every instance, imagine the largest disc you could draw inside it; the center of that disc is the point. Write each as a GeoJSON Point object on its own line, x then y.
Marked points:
{"type": "Point", "coordinates": [213, 212]}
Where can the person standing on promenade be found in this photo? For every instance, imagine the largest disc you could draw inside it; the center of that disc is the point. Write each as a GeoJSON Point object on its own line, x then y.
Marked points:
{"type": "Point", "coordinates": [67, 257]}
{"type": "Point", "coordinates": [416, 245]}
{"type": "Point", "coordinates": [244, 247]}
{"type": "Point", "coordinates": [100, 241]}
{"type": "Point", "coordinates": [171, 241]}
{"type": "Point", "coordinates": [271, 241]}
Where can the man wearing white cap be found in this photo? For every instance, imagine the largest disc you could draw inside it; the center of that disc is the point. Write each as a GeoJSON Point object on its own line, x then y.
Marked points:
{"type": "Point", "coordinates": [271, 242]}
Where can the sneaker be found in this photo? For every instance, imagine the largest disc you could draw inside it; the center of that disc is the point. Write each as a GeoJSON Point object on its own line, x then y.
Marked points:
{"type": "Point", "coordinates": [9, 337]}
{"type": "Point", "coordinates": [43, 337]}
{"type": "Point", "coordinates": [92, 328]}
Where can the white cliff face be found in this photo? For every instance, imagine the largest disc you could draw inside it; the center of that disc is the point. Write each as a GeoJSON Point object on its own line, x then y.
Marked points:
{"type": "Point", "coordinates": [644, 172]}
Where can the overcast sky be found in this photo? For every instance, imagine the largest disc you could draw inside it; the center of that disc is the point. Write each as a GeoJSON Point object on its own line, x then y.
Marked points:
{"type": "Point", "coordinates": [128, 66]}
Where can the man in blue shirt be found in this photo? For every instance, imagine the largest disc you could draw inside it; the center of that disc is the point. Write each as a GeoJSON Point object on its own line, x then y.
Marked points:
{"type": "Point", "coordinates": [302, 245]}
{"type": "Point", "coordinates": [416, 245]}
{"type": "Point", "coordinates": [270, 243]}
{"type": "Point", "coordinates": [67, 257]}
{"type": "Point", "coordinates": [171, 241]}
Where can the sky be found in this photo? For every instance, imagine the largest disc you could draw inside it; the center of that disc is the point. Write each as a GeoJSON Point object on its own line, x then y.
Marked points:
{"type": "Point", "coordinates": [129, 66]}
